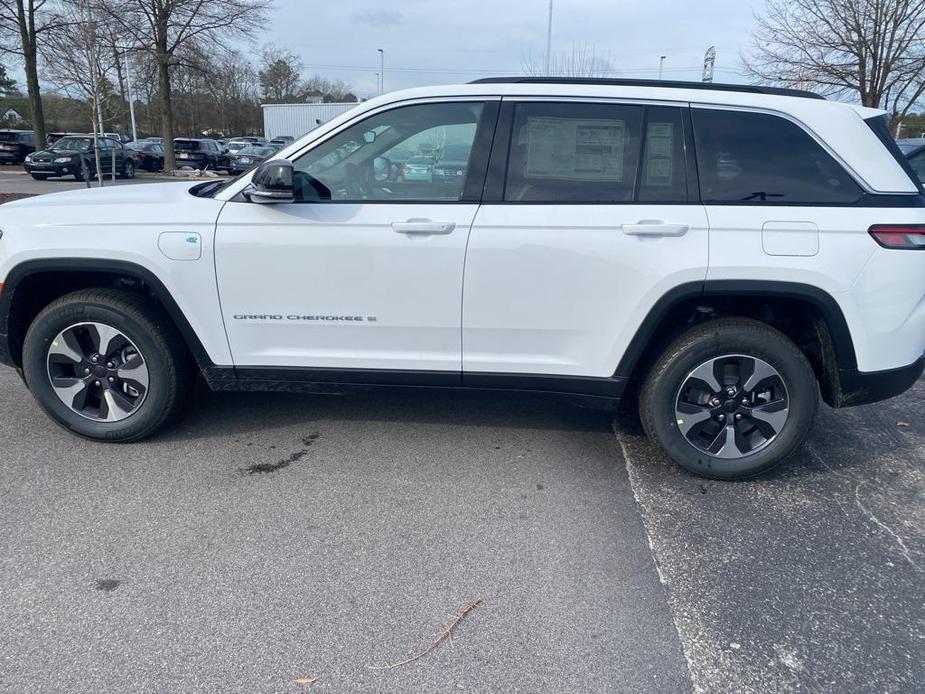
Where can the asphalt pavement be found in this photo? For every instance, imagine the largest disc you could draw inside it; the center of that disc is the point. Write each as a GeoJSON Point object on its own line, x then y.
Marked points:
{"type": "Point", "coordinates": [289, 543]}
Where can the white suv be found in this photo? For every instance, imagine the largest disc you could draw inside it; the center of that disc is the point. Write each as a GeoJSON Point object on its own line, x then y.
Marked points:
{"type": "Point", "coordinates": [723, 252]}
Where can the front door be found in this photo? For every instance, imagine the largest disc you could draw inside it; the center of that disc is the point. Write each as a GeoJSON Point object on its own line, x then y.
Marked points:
{"type": "Point", "coordinates": [364, 271]}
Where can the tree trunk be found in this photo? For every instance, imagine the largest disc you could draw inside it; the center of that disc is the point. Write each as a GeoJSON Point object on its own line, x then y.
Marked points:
{"type": "Point", "coordinates": [27, 35]}
{"type": "Point", "coordinates": [35, 99]}
{"type": "Point", "coordinates": [165, 102]}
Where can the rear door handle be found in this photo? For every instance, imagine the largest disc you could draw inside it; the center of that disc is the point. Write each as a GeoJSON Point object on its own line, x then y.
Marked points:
{"type": "Point", "coordinates": [423, 226]}
{"type": "Point", "coordinates": [647, 227]}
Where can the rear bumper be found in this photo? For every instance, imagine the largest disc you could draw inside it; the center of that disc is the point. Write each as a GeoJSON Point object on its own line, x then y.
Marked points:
{"type": "Point", "coordinates": [860, 388]}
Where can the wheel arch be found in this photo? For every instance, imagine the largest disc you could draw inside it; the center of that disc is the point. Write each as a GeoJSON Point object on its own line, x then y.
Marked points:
{"type": "Point", "coordinates": [33, 284]}
{"type": "Point", "coordinates": [805, 313]}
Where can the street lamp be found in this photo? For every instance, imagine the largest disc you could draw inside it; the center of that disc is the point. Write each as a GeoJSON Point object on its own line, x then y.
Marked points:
{"type": "Point", "coordinates": [381, 70]}
{"type": "Point", "coordinates": [548, 38]}
{"type": "Point", "coordinates": [661, 65]}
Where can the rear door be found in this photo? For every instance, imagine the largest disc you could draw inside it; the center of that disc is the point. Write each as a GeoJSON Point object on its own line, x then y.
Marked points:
{"type": "Point", "coordinates": [590, 216]}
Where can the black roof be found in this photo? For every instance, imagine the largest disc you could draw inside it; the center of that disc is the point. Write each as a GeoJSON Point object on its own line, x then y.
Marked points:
{"type": "Point", "coordinates": [671, 84]}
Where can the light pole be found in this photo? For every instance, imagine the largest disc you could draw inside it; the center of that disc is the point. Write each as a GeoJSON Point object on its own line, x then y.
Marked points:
{"type": "Point", "coordinates": [381, 70]}
{"type": "Point", "coordinates": [661, 64]}
{"type": "Point", "coordinates": [548, 38]}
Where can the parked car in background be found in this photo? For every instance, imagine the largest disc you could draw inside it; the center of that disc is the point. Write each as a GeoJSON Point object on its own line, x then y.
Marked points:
{"type": "Point", "coordinates": [15, 145]}
{"type": "Point", "coordinates": [249, 157]}
{"type": "Point", "coordinates": [907, 144]}
{"type": "Point", "coordinates": [451, 168]}
{"type": "Point", "coordinates": [234, 146]}
{"type": "Point", "coordinates": [418, 169]}
{"type": "Point", "coordinates": [118, 137]}
{"type": "Point", "coordinates": [148, 156]}
{"type": "Point", "coordinates": [254, 139]}
{"type": "Point", "coordinates": [282, 140]}
{"type": "Point", "coordinates": [74, 155]}
{"type": "Point", "coordinates": [199, 153]}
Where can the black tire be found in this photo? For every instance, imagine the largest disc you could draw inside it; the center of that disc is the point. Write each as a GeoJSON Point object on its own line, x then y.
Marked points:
{"type": "Point", "coordinates": [128, 169]}
{"type": "Point", "coordinates": [170, 368]}
{"type": "Point", "coordinates": [662, 391]}
{"type": "Point", "coordinates": [40, 177]}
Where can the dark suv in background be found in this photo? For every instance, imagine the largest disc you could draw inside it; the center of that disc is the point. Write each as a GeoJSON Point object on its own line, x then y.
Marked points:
{"type": "Point", "coordinates": [200, 153]}
{"type": "Point", "coordinates": [15, 145]}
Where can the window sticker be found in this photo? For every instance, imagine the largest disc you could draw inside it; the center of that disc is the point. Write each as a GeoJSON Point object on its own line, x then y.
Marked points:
{"type": "Point", "coordinates": [575, 150]}
{"type": "Point", "coordinates": [659, 148]}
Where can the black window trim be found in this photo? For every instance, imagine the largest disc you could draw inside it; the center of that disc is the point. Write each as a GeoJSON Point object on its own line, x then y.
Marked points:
{"type": "Point", "coordinates": [493, 193]}
{"type": "Point", "coordinates": [476, 169]}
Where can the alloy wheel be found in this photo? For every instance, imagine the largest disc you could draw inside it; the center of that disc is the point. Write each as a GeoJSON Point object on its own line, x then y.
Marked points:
{"type": "Point", "coordinates": [97, 372]}
{"type": "Point", "coordinates": [732, 406]}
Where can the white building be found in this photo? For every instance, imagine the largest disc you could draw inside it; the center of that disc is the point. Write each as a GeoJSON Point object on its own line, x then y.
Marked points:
{"type": "Point", "coordinates": [298, 119]}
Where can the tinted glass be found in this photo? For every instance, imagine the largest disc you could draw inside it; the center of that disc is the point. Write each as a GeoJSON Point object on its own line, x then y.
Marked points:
{"type": "Point", "coordinates": [664, 166]}
{"type": "Point", "coordinates": [764, 159]}
{"type": "Point", "coordinates": [390, 156]}
{"type": "Point", "coordinates": [573, 153]}
{"type": "Point", "coordinates": [917, 162]}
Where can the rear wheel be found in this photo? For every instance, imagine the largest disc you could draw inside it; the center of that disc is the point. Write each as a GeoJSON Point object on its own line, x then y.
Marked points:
{"type": "Point", "coordinates": [730, 399]}
{"type": "Point", "coordinates": [106, 364]}
{"type": "Point", "coordinates": [128, 169]}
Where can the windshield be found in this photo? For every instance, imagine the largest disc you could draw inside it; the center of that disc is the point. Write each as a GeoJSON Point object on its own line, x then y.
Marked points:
{"type": "Point", "coordinates": [74, 144]}
{"type": "Point", "coordinates": [256, 151]}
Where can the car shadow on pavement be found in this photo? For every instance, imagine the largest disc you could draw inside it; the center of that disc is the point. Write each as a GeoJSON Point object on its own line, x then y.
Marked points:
{"type": "Point", "coordinates": [210, 414]}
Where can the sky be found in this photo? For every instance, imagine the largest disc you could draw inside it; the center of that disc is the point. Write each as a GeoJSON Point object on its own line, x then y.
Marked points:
{"type": "Point", "coordinates": [450, 41]}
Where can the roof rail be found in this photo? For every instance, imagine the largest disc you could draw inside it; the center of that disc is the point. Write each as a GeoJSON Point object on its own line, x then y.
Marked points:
{"type": "Point", "coordinates": [671, 84]}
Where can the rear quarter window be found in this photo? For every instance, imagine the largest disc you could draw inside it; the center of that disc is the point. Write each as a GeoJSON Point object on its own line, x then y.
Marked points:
{"type": "Point", "coordinates": [759, 158]}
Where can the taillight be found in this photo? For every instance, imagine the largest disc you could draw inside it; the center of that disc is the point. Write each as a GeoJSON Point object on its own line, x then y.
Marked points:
{"type": "Point", "coordinates": [899, 236]}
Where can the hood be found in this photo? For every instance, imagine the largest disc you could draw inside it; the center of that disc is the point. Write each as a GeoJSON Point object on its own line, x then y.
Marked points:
{"type": "Point", "coordinates": [138, 194]}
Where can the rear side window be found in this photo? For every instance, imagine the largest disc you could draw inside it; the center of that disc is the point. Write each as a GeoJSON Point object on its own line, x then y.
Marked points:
{"type": "Point", "coordinates": [759, 158]}
{"type": "Point", "coordinates": [596, 153]}
{"type": "Point", "coordinates": [574, 153]}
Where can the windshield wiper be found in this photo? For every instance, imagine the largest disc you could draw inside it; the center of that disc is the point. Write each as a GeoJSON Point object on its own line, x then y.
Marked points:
{"type": "Point", "coordinates": [762, 196]}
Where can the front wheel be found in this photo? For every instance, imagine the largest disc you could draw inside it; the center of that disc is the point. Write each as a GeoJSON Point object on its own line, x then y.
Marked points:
{"type": "Point", "coordinates": [106, 364]}
{"type": "Point", "coordinates": [729, 399]}
{"type": "Point", "coordinates": [128, 169]}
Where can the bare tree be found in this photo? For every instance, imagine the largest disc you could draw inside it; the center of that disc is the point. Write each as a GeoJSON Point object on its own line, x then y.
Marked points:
{"type": "Point", "coordinates": [23, 25]}
{"type": "Point", "coordinates": [164, 27]}
{"type": "Point", "coordinates": [582, 61]}
{"type": "Point", "coordinates": [871, 49]}
{"type": "Point", "coordinates": [280, 76]}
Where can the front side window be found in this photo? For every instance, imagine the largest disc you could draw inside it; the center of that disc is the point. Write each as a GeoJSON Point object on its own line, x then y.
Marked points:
{"type": "Point", "coordinates": [759, 158]}
{"type": "Point", "coordinates": [410, 153]}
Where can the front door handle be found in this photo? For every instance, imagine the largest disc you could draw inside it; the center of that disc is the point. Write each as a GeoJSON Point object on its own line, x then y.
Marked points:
{"type": "Point", "coordinates": [654, 227]}
{"type": "Point", "coordinates": [423, 226]}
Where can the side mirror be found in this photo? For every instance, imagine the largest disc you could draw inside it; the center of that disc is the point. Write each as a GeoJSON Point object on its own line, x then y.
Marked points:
{"type": "Point", "coordinates": [272, 182]}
